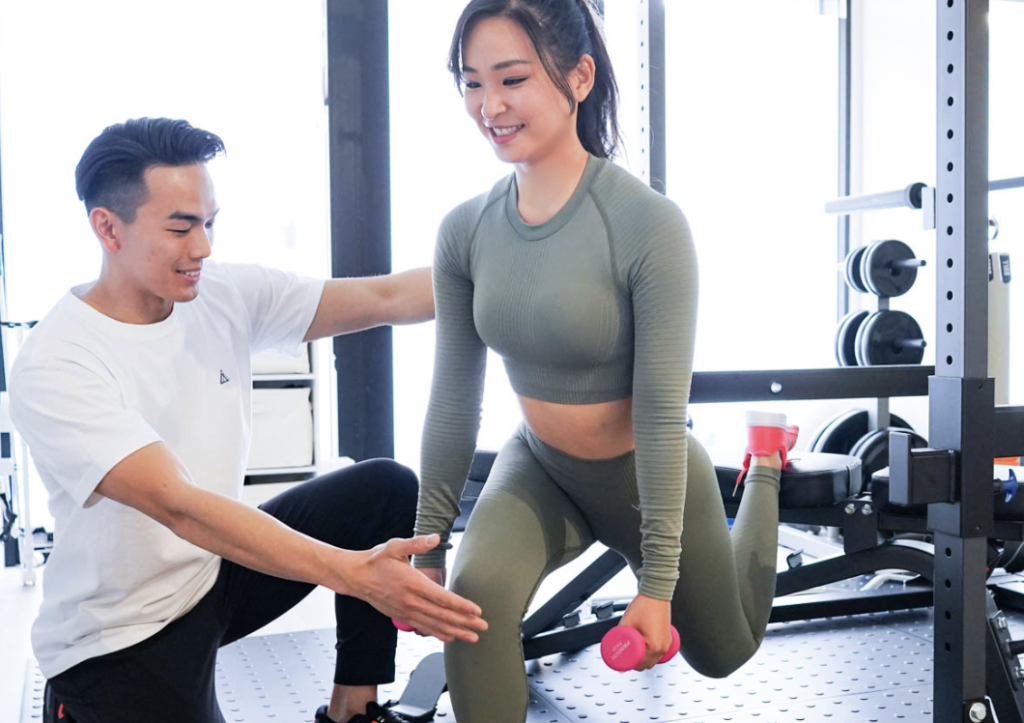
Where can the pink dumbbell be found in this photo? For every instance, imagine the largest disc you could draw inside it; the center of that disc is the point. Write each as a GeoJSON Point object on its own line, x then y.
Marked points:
{"type": "Point", "coordinates": [404, 627]}
{"type": "Point", "coordinates": [623, 648]}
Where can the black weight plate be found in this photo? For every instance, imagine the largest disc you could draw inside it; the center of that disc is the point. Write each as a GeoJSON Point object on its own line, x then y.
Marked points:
{"type": "Point", "coordinates": [873, 448]}
{"type": "Point", "coordinates": [878, 336]}
{"type": "Point", "coordinates": [859, 340]}
{"type": "Point", "coordinates": [879, 275]}
{"type": "Point", "coordinates": [841, 433]}
{"type": "Point", "coordinates": [846, 338]}
{"type": "Point", "coordinates": [861, 270]}
{"type": "Point", "coordinates": [817, 434]}
{"type": "Point", "coordinates": [853, 277]}
{"type": "Point", "coordinates": [838, 431]}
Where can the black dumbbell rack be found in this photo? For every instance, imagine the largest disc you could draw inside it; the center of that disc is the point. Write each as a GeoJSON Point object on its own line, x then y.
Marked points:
{"type": "Point", "coordinates": [868, 270]}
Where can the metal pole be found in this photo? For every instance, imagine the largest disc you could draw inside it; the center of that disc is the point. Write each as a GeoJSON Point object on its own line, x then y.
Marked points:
{"type": "Point", "coordinates": [359, 137]}
{"type": "Point", "coordinates": [1006, 184]}
{"type": "Point", "coordinates": [656, 77]}
{"type": "Point", "coordinates": [913, 196]}
{"type": "Point", "coordinates": [845, 151]}
{"type": "Point", "coordinates": [961, 398]}
{"type": "Point", "coordinates": [643, 27]}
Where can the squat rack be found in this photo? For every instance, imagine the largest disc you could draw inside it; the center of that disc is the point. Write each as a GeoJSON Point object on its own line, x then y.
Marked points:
{"type": "Point", "coordinates": [964, 421]}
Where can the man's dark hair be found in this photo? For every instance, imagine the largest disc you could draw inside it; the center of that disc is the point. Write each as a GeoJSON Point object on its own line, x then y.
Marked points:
{"type": "Point", "coordinates": [110, 173]}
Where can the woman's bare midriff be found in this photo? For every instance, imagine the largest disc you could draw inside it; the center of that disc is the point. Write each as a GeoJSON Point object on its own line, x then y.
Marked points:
{"type": "Point", "coordinates": [589, 431]}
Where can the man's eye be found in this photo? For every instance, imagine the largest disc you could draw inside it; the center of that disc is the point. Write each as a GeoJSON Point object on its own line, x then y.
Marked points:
{"type": "Point", "coordinates": [180, 231]}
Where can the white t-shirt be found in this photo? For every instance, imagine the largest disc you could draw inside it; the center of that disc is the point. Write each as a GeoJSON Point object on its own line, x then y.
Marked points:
{"type": "Point", "coordinates": [87, 391]}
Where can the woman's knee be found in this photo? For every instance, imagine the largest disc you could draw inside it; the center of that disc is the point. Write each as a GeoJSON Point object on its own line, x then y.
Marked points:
{"type": "Point", "coordinates": [722, 660]}
{"type": "Point", "coordinates": [501, 595]}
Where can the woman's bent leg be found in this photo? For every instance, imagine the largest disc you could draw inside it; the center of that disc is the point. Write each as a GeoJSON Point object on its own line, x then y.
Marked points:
{"type": "Point", "coordinates": [726, 586]}
{"type": "Point", "coordinates": [522, 527]}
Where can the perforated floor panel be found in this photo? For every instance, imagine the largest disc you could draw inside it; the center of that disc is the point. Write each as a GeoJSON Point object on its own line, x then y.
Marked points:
{"type": "Point", "coordinates": [868, 668]}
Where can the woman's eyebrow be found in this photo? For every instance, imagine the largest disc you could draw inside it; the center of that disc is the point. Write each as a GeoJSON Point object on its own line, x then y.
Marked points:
{"type": "Point", "coordinates": [500, 66]}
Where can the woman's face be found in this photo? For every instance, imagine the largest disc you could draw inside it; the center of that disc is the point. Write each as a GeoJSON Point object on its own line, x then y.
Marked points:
{"type": "Point", "coordinates": [510, 96]}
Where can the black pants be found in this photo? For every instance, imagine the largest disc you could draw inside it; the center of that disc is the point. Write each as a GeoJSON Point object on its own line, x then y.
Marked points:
{"type": "Point", "coordinates": [169, 676]}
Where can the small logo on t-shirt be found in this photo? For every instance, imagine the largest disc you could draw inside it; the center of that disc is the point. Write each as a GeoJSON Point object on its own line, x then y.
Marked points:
{"type": "Point", "coordinates": [223, 377]}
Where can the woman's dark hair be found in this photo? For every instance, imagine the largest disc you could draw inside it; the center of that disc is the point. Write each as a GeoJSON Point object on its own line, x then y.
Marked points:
{"type": "Point", "coordinates": [562, 32]}
{"type": "Point", "coordinates": [110, 173]}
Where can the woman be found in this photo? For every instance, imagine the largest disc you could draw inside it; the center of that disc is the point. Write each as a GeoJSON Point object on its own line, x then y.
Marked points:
{"type": "Point", "coordinates": [585, 281]}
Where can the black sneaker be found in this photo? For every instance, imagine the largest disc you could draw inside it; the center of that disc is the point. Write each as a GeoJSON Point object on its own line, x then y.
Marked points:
{"type": "Point", "coordinates": [375, 713]}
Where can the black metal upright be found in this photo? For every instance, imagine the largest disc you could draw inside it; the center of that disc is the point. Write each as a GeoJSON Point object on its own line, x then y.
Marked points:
{"type": "Point", "coordinates": [961, 398]}
{"type": "Point", "coordinates": [357, 64]}
{"type": "Point", "coordinates": [657, 116]}
{"type": "Point", "coordinates": [845, 152]}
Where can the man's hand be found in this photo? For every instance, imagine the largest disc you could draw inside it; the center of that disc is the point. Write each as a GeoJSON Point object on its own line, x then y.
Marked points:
{"type": "Point", "coordinates": [653, 618]}
{"type": "Point", "coordinates": [154, 481]}
{"type": "Point", "coordinates": [384, 578]}
{"type": "Point", "coordinates": [438, 576]}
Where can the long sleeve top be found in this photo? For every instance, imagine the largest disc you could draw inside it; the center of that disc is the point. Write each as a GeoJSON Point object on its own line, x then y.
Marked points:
{"type": "Point", "coordinates": [597, 304]}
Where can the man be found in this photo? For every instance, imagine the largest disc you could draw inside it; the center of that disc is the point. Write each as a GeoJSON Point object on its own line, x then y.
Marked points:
{"type": "Point", "coordinates": [134, 394]}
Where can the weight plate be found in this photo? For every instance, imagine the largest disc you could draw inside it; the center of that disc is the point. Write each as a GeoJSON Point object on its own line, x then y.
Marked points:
{"type": "Point", "coordinates": [859, 340]}
{"type": "Point", "coordinates": [853, 276]}
{"type": "Point", "coordinates": [880, 276]}
{"type": "Point", "coordinates": [873, 449]}
{"type": "Point", "coordinates": [846, 338]}
{"type": "Point", "coordinates": [842, 432]}
{"type": "Point", "coordinates": [879, 337]}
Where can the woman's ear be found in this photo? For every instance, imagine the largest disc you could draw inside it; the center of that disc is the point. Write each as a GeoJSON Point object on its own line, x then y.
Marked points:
{"type": "Point", "coordinates": [581, 78]}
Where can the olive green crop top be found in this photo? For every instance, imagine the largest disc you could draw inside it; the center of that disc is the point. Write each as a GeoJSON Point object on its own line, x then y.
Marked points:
{"type": "Point", "coordinates": [597, 304]}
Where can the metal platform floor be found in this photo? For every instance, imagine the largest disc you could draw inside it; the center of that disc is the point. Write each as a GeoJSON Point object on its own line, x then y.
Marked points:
{"type": "Point", "coordinates": [869, 668]}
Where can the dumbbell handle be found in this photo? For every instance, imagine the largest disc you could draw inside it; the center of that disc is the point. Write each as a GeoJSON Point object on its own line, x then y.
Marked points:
{"type": "Point", "coordinates": [910, 344]}
{"type": "Point", "coordinates": [908, 263]}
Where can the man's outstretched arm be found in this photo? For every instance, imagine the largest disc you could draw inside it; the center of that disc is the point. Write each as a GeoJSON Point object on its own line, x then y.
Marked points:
{"type": "Point", "coordinates": [154, 481]}
{"type": "Point", "coordinates": [354, 304]}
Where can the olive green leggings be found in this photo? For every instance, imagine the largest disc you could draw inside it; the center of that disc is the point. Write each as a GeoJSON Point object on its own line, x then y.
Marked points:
{"type": "Point", "coordinates": [541, 508]}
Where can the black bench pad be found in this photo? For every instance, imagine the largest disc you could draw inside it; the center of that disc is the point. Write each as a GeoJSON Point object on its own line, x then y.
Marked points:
{"type": "Point", "coordinates": [811, 479]}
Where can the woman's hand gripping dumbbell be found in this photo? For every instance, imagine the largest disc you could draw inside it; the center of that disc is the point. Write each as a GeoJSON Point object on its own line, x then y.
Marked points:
{"type": "Point", "coordinates": [624, 647]}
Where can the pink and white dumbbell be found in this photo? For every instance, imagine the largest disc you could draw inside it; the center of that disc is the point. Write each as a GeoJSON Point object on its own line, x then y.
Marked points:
{"type": "Point", "coordinates": [404, 627]}
{"type": "Point", "coordinates": [623, 648]}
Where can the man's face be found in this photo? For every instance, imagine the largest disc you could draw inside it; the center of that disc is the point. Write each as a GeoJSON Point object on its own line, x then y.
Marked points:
{"type": "Point", "coordinates": [162, 251]}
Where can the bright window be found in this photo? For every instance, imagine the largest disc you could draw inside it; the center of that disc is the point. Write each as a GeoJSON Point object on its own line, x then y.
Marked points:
{"type": "Point", "coordinates": [251, 72]}
{"type": "Point", "coordinates": [752, 136]}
